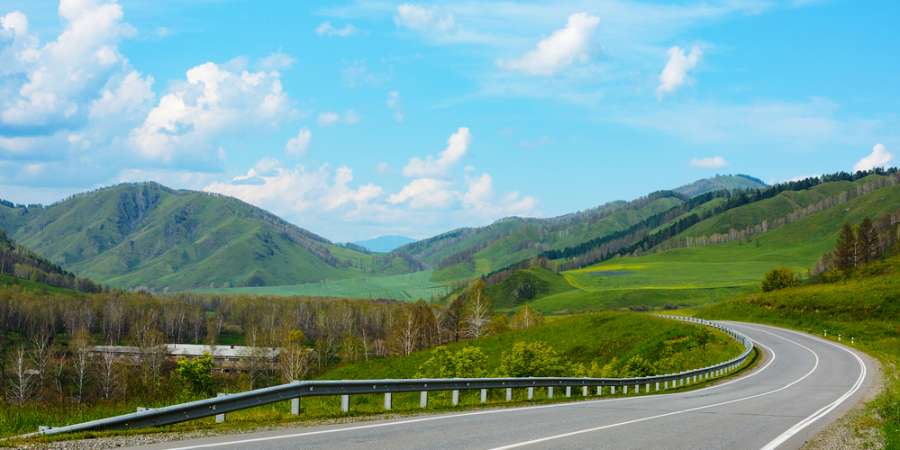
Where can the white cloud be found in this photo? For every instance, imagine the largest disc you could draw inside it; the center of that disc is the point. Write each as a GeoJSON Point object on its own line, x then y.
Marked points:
{"type": "Point", "coordinates": [425, 193]}
{"type": "Point", "coordinates": [14, 23]}
{"type": "Point", "coordinates": [54, 83]}
{"type": "Point", "coordinates": [423, 18]}
{"type": "Point", "coordinates": [480, 191]}
{"type": "Point", "coordinates": [330, 118]}
{"type": "Point", "coordinates": [393, 104]}
{"type": "Point", "coordinates": [562, 48]}
{"type": "Point", "coordinates": [341, 193]}
{"type": "Point", "coordinates": [214, 100]}
{"type": "Point", "coordinates": [675, 73]}
{"type": "Point", "coordinates": [327, 29]}
{"type": "Point", "coordinates": [457, 146]}
{"type": "Point", "coordinates": [712, 162]}
{"type": "Point", "coordinates": [299, 144]}
{"type": "Point", "coordinates": [880, 157]}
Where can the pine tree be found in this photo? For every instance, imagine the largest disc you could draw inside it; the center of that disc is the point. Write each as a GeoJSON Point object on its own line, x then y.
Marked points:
{"type": "Point", "coordinates": [845, 252]}
{"type": "Point", "coordinates": [866, 242]}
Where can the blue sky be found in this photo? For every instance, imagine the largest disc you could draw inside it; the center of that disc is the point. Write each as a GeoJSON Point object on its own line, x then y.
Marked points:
{"type": "Point", "coordinates": [356, 119]}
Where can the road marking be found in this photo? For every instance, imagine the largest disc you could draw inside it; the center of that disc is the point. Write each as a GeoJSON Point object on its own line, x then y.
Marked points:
{"type": "Point", "coordinates": [477, 413]}
{"type": "Point", "coordinates": [799, 426]}
{"type": "Point", "coordinates": [674, 413]}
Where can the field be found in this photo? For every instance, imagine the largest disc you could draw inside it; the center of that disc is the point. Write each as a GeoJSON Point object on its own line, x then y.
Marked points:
{"type": "Point", "coordinates": [409, 287]}
{"type": "Point", "coordinates": [866, 308]}
{"type": "Point", "coordinates": [699, 275]}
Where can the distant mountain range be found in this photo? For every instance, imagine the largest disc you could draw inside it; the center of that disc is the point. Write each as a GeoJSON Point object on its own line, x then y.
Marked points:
{"type": "Point", "coordinates": [384, 244]}
{"type": "Point", "coordinates": [147, 235]}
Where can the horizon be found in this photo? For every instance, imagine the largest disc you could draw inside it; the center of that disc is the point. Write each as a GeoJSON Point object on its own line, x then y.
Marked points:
{"type": "Point", "coordinates": [369, 119]}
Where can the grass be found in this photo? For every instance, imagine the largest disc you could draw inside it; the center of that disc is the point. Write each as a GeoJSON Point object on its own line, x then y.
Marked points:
{"type": "Point", "coordinates": [866, 308]}
{"type": "Point", "coordinates": [694, 276]}
{"type": "Point", "coordinates": [585, 338]}
{"type": "Point", "coordinates": [409, 287]}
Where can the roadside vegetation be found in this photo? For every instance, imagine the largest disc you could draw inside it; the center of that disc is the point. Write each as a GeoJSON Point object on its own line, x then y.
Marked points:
{"type": "Point", "coordinates": [855, 299]}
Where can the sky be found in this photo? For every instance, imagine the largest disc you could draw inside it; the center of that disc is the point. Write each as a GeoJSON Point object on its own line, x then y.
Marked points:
{"type": "Point", "coordinates": [363, 118]}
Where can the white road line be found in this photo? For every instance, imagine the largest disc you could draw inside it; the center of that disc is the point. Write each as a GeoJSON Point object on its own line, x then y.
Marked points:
{"type": "Point", "coordinates": [673, 413]}
{"type": "Point", "coordinates": [476, 413]}
{"type": "Point", "coordinates": [792, 431]}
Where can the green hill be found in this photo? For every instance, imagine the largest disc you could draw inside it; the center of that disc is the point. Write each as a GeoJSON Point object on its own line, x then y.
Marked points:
{"type": "Point", "coordinates": [19, 265]}
{"type": "Point", "coordinates": [713, 259]}
{"type": "Point", "coordinates": [468, 252]}
{"type": "Point", "coordinates": [147, 235]}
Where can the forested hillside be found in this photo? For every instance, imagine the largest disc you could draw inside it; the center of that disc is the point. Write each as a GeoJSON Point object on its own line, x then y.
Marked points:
{"type": "Point", "coordinates": [19, 264]}
{"type": "Point", "coordinates": [147, 235]}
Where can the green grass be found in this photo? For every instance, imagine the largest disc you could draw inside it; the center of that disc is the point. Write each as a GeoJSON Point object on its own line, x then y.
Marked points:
{"type": "Point", "coordinates": [585, 338]}
{"type": "Point", "coordinates": [409, 287]}
{"type": "Point", "coordinates": [866, 308]}
{"type": "Point", "coordinates": [699, 275]}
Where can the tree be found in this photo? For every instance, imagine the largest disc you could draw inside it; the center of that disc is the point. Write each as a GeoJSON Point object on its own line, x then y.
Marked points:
{"type": "Point", "coordinates": [196, 373]}
{"type": "Point", "coordinates": [845, 252]}
{"type": "Point", "coordinates": [467, 362]}
{"type": "Point", "coordinates": [866, 242]}
{"type": "Point", "coordinates": [22, 383]}
{"type": "Point", "coordinates": [80, 348]}
{"type": "Point", "coordinates": [478, 310]}
{"type": "Point", "coordinates": [536, 359]}
{"type": "Point", "coordinates": [293, 357]}
{"type": "Point", "coordinates": [779, 278]}
{"type": "Point", "coordinates": [526, 317]}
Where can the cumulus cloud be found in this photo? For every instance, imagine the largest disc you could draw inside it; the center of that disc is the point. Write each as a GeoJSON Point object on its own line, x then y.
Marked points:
{"type": "Point", "coordinates": [423, 18]}
{"type": "Point", "coordinates": [213, 100]}
{"type": "Point", "coordinates": [327, 29]}
{"type": "Point", "coordinates": [53, 84]}
{"type": "Point", "coordinates": [425, 193]}
{"type": "Point", "coordinates": [712, 162]}
{"type": "Point", "coordinates": [299, 144]}
{"type": "Point", "coordinates": [457, 146]}
{"type": "Point", "coordinates": [675, 73]}
{"type": "Point", "coordinates": [880, 157]}
{"type": "Point", "coordinates": [564, 47]}
{"type": "Point", "coordinates": [330, 118]}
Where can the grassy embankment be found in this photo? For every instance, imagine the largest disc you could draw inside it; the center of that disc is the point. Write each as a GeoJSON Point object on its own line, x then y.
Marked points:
{"type": "Point", "coordinates": [865, 307]}
{"type": "Point", "coordinates": [581, 339]}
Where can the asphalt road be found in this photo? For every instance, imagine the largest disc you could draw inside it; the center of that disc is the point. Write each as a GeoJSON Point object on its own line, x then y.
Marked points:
{"type": "Point", "coordinates": [803, 384]}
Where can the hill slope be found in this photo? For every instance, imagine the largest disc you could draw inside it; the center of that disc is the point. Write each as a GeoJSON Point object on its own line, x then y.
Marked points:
{"type": "Point", "coordinates": [148, 235]}
{"type": "Point", "coordinates": [384, 244]}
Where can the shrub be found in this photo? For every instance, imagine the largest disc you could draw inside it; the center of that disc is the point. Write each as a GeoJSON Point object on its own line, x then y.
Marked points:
{"type": "Point", "coordinates": [467, 362]}
{"type": "Point", "coordinates": [779, 278]}
{"type": "Point", "coordinates": [196, 373]}
{"type": "Point", "coordinates": [536, 359]}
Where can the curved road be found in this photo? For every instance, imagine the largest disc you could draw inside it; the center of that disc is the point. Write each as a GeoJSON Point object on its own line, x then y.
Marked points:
{"type": "Point", "coordinates": [803, 384]}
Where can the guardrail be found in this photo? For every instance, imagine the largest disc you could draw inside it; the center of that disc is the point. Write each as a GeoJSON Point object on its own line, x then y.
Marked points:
{"type": "Point", "coordinates": [225, 403]}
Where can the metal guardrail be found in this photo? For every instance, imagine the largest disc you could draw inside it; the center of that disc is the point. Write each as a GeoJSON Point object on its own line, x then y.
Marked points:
{"type": "Point", "coordinates": [225, 403]}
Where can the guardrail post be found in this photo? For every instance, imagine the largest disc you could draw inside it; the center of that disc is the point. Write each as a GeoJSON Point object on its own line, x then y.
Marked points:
{"type": "Point", "coordinates": [295, 406]}
{"type": "Point", "coordinates": [625, 389]}
{"type": "Point", "coordinates": [612, 390]}
{"type": "Point", "coordinates": [657, 386]}
{"type": "Point", "coordinates": [220, 417]}
{"type": "Point", "coordinates": [387, 401]}
{"type": "Point", "coordinates": [568, 391]}
{"type": "Point", "coordinates": [647, 388]}
{"type": "Point", "coordinates": [599, 390]}
{"type": "Point", "coordinates": [549, 391]}
{"type": "Point", "coordinates": [509, 394]}
{"type": "Point", "coordinates": [637, 389]}
{"type": "Point", "coordinates": [665, 385]}
{"type": "Point", "coordinates": [345, 403]}
{"type": "Point", "coordinates": [530, 393]}
{"type": "Point", "coordinates": [455, 397]}
{"type": "Point", "coordinates": [584, 391]}
{"type": "Point", "coordinates": [423, 399]}
{"type": "Point", "coordinates": [484, 396]}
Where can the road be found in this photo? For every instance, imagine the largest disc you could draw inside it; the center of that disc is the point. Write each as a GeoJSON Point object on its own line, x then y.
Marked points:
{"type": "Point", "coordinates": [803, 384]}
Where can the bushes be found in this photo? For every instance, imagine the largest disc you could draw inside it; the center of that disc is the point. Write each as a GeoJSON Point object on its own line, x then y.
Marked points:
{"type": "Point", "coordinates": [196, 374]}
{"type": "Point", "coordinates": [536, 359]}
{"type": "Point", "coordinates": [779, 278]}
{"type": "Point", "coordinates": [467, 362]}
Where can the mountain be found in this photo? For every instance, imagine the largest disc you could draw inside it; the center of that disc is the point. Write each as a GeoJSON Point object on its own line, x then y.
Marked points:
{"type": "Point", "coordinates": [384, 244]}
{"type": "Point", "coordinates": [721, 183]}
{"type": "Point", "coordinates": [467, 252]}
{"type": "Point", "coordinates": [148, 235]}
